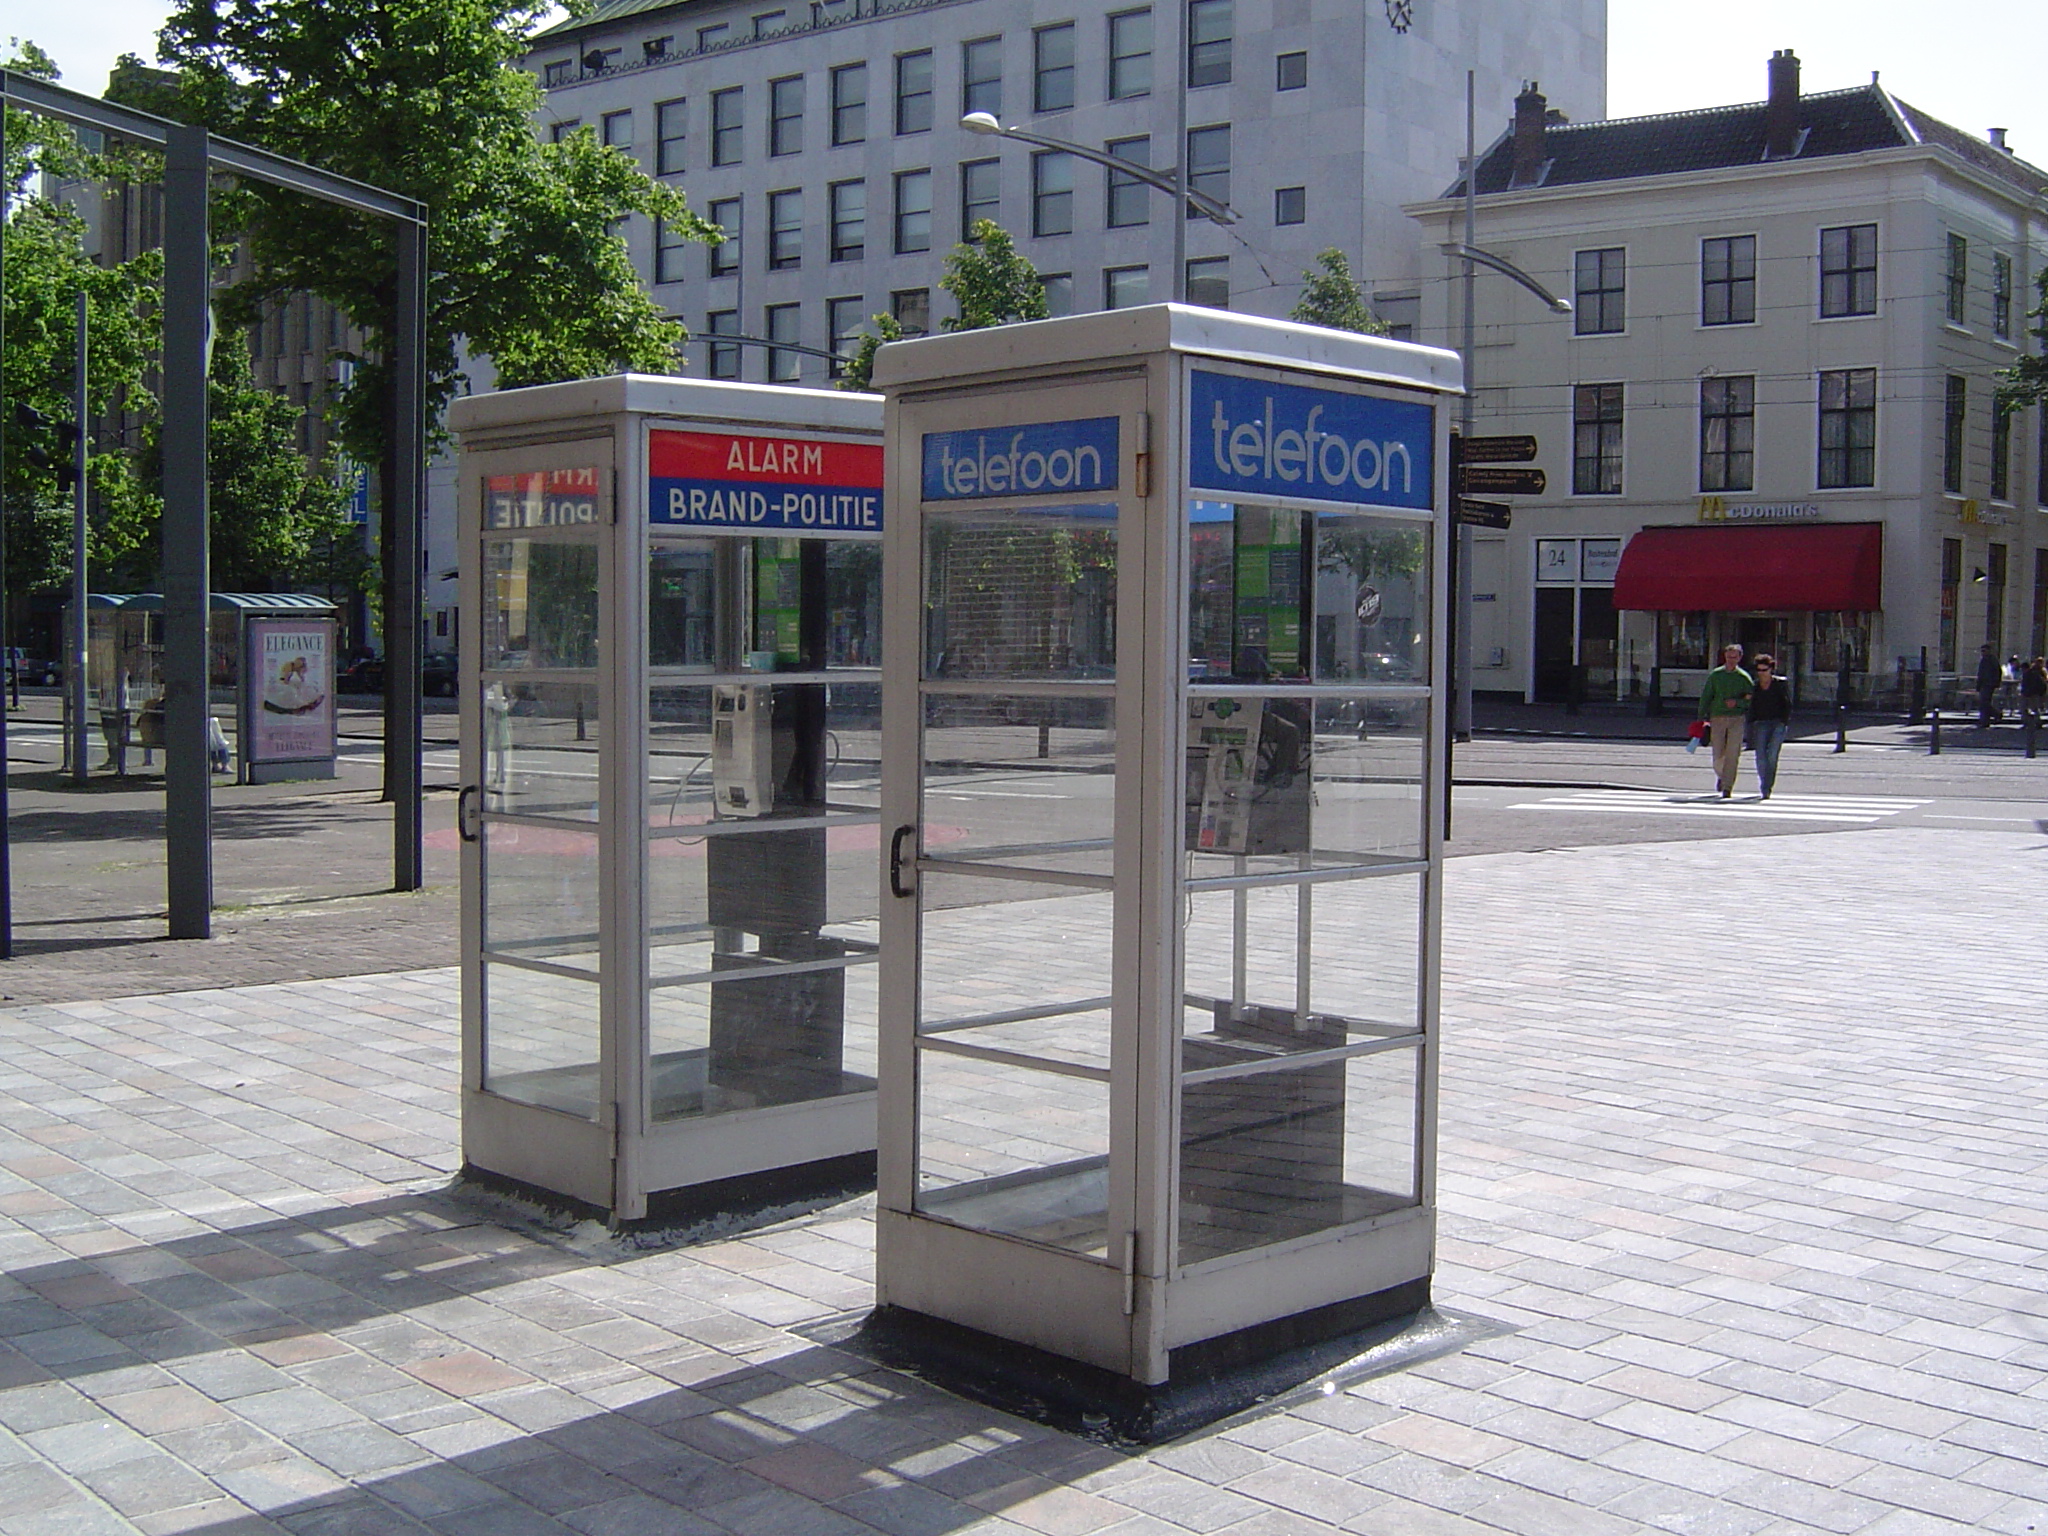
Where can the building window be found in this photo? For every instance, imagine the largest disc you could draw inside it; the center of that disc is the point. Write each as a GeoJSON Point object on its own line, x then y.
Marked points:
{"type": "Point", "coordinates": [1728, 280]}
{"type": "Point", "coordinates": [770, 21]}
{"type": "Point", "coordinates": [1209, 33]}
{"type": "Point", "coordinates": [849, 220]}
{"type": "Point", "coordinates": [2001, 453]}
{"type": "Point", "coordinates": [607, 60]}
{"type": "Point", "coordinates": [668, 137]}
{"type": "Point", "coordinates": [725, 254]}
{"type": "Point", "coordinates": [616, 129]}
{"type": "Point", "coordinates": [558, 72]}
{"type": "Point", "coordinates": [785, 229]}
{"type": "Point", "coordinates": [786, 116]}
{"type": "Point", "coordinates": [1290, 72]}
{"type": "Point", "coordinates": [1059, 293]}
{"type": "Point", "coordinates": [912, 309]}
{"type": "Point", "coordinates": [850, 104]}
{"type": "Point", "coordinates": [1208, 282]}
{"type": "Point", "coordinates": [669, 251]}
{"type": "Point", "coordinates": [1130, 200]}
{"type": "Point", "coordinates": [725, 355]}
{"type": "Point", "coordinates": [560, 131]}
{"type": "Point", "coordinates": [1596, 440]}
{"type": "Point", "coordinates": [2041, 460]}
{"type": "Point", "coordinates": [1290, 205]}
{"type": "Point", "coordinates": [1848, 271]}
{"type": "Point", "coordinates": [783, 366]}
{"type": "Point", "coordinates": [1994, 596]}
{"type": "Point", "coordinates": [2001, 297]}
{"type": "Point", "coordinates": [1848, 428]}
{"type": "Point", "coordinates": [1130, 54]}
{"type": "Point", "coordinates": [914, 91]}
{"type": "Point", "coordinates": [712, 36]}
{"type": "Point", "coordinates": [1124, 287]}
{"type": "Point", "coordinates": [1728, 434]}
{"type": "Point", "coordinates": [981, 76]}
{"type": "Point", "coordinates": [1209, 163]}
{"type": "Point", "coordinates": [913, 212]}
{"type": "Point", "coordinates": [2038, 641]}
{"type": "Point", "coordinates": [1600, 292]}
{"type": "Point", "coordinates": [1052, 193]}
{"type": "Point", "coordinates": [1951, 589]}
{"type": "Point", "coordinates": [844, 319]}
{"type": "Point", "coordinates": [652, 48]}
{"type": "Point", "coordinates": [1956, 280]}
{"type": "Point", "coordinates": [1954, 418]}
{"type": "Point", "coordinates": [980, 195]}
{"type": "Point", "coordinates": [1052, 68]}
{"type": "Point", "coordinates": [728, 126]}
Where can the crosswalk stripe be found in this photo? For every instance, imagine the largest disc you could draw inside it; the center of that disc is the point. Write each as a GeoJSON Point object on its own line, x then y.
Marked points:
{"type": "Point", "coordinates": [1818, 808]}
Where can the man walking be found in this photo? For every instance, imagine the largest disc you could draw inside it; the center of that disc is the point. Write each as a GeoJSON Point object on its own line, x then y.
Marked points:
{"type": "Point", "coordinates": [1989, 676]}
{"type": "Point", "coordinates": [1724, 705]}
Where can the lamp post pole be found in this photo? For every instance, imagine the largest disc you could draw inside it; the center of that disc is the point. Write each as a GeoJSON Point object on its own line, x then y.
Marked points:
{"type": "Point", "coordinates": [1461, 535]}
{"type": "Point", "coordinates": [1181, 26]}
{"type": "Point", "coordinates": [76, 639]}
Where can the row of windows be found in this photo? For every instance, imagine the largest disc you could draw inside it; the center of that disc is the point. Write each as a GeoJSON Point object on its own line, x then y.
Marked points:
{"type": "Point", "coordinates": [1208, 283]}
{"type": "Point", "coordinates": [1127, 202]}
{"type": "Point", "coordinates": [1728, 278]}
{"type": "Point", "coordinates": [1054, 72]}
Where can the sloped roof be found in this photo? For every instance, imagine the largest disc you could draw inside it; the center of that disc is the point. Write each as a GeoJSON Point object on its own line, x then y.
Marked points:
{"type": "Point", "coordinates": [604, 11]}
{"type": "Point", "coordinates": [1865, 117]}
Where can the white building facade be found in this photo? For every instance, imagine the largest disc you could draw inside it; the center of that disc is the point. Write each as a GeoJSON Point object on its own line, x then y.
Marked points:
{"type": "Point", "coordinates": [826, 138]}
{"type": "Point", "coordinates": [1770, 418]}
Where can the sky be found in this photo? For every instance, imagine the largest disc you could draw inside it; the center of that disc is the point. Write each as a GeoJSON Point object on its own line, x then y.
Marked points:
{"type": "Point", "coordinates": [1973, 63]}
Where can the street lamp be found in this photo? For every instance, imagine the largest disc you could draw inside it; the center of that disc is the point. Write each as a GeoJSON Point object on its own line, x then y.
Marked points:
{"type": "Point", "coordinates": [1508, 269]}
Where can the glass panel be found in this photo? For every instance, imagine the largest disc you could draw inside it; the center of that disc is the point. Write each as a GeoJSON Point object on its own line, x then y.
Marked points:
{"type": "Point", "coordinates": [540, 893]}
{"type": "Point", "coordinates": [1021, 593]}
{"type": "Point", "coordinates": [853, 603]}
{"type": "Point", "coordinates": [539, 604]}
{"type": "Point", "coordinates": [1007, 1149]}
{"type": "Point", "coordinates": [540, 1039]}
{"type": "Point", "coordinates": [784, 749]}
{"type": "Point", "coordinates": [1272, 590]}
{"type": "Point", "coordinates": [983, 961]}
{"type": "Point", "coordinates": [541, 748]}
{"type": "Point", "coordinates": [1365, 963]}
{"type": "Point", "coordinates": [544, 498]}
{"type": "Point", "coordinates": [1020, 780]}
{"type": "Point", "coordinates": [753, 1042]}
{"type": "Point", "coordinates": [1283, 1154]}
{"type": "Point", "coordinates": [682, 605]}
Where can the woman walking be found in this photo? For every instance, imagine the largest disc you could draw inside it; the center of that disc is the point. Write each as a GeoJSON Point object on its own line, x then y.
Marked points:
{"type": "Point", "coordinates": [1770, 719]}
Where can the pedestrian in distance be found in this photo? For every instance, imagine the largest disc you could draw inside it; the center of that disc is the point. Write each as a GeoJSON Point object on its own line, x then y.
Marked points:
{"type": "Point", "coordinates": [1724, 705]}
{"type": "Point", "coordinates": [1770, 720]}
{"type": "Point", "coordinates": [2034, 690]}
{"type": "Point", "coordinates": [1990, 675]}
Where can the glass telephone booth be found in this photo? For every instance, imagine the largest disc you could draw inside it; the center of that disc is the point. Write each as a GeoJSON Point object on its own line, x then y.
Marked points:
{"type": "Point", "coordinates": [670, 617]}
{"type": "Point", "coordinates": [1163, 742]}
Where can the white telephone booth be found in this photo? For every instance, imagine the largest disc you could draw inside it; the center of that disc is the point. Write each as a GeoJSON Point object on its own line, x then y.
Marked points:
{"type": "Point", "coordinates": [1162, 761]}
{"type": "Point", "coordinates": [670, 620]}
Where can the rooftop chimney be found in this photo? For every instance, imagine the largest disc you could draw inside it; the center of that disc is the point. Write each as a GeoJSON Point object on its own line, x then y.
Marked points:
{"type": "Point", "coordinates": [1530, 111]}
{"type": "Point", "coordinates": [1998, 140]}
{"type": "Point", "coordinates": [1781, 112]}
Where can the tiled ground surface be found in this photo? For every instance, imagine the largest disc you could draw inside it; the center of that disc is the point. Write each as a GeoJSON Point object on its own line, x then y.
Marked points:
{"type": "Point", "coordinates": [1743, 1145]}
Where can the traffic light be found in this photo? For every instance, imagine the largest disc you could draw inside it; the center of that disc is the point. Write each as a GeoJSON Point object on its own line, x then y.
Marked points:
{"type": "Point", "coordinates": [63, 463]}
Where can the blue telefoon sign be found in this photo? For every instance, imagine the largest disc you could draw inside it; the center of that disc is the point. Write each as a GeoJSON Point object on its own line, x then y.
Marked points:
{"type": "Point", "coordinates": [1044, 458]}
{"type": "Point", "coordinates": [1257, 438]}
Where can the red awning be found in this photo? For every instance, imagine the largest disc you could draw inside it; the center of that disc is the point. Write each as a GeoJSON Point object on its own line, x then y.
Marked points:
{"type": "Point", "coordinates": [1810, 566]}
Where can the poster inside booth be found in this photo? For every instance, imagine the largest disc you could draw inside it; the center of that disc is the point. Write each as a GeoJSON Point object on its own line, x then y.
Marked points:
{"type": "Point", "coordinates": [288, 698]}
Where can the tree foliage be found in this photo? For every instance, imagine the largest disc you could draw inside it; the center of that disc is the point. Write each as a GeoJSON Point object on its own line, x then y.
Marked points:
{"type": "Point", "coordinates": [2026, 381]}
{"type": "Point", "coordinates": [860, 369]}
{"type": "Point", "coordinates": [1330, 296]}
{"type": "Point", "coordinates": [991, 283]}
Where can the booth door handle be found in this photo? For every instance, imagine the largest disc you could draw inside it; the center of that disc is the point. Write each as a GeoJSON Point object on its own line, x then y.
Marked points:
{"type": "Point", "coordinates": [896, 885]}
{"type": "Point", "coordinates": [466, 826]}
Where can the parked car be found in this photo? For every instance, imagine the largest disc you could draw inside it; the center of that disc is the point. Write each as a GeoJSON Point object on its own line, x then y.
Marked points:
{"type": "Point", "coordinates": [438, 673]}
{"type": "Point", "coordinates": [32, 669]}
{"type": "Point", "coordinates": [365, 674]}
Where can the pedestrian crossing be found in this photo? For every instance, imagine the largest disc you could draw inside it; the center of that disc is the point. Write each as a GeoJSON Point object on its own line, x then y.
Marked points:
{"type": "Point", "coordinates": [1839, 809]}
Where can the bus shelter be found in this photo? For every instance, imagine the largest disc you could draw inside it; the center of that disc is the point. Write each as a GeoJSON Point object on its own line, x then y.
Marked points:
{"type": "Point", "coordinates": [670, 624]}
{"type": "Point", "coordinates": [1164, 739]}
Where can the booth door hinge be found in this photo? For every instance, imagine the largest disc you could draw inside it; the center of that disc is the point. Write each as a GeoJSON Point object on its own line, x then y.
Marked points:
{"type": "Point", "coordinates": [1144, 465]}
{"type": "Point", "coordinates": [1130, 1274]}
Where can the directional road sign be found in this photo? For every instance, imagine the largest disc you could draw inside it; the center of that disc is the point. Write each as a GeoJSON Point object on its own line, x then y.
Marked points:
{"type": "Point", "coordinates": [1482, 514]}
{"type": "Point", "coordinates": [1493, 481]}
{"type": "Point", "coordinates": [1499, 450]}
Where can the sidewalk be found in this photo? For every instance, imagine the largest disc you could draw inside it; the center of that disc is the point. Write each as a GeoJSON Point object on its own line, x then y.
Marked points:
{"type": "Point", "coordinates": [1612, 721]}
{"type": "Point", "coordinates": [1760, 1255]}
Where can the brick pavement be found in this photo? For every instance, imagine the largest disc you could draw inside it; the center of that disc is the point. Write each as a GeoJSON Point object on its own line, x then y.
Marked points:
{"type": "Point", "coordinates": [1743, 1154]}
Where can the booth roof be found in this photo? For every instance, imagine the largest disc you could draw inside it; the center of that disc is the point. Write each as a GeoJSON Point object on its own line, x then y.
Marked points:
{"type": "Point", "coordinates": [245, 602]}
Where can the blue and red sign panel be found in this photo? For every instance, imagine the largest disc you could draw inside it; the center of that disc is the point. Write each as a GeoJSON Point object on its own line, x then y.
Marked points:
{"type": "Point", "coordinates": [763, 484]}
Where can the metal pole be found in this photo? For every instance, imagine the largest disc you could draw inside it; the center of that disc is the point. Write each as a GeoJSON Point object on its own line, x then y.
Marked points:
{"type": "Point", "coordinates": [403, 442]}
{"type": "Point", "coordinates": [75, 641]}
{"type": "Point", "coordinates": [188, 783]}
{"type": "Point", "coordinates": [1461, 597]}
{"type": "Point", "coordinates": [13, 671]}
{"type": "Point", "coordinates": [1179, 288]}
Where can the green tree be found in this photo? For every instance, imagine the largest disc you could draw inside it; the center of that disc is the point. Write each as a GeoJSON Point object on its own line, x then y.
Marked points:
{"type": "Point", "coordinates": [2025, 383]}
{"type": "Point", "coordinates": [1330, 296]}
{"type": "Point", "coordinates": [860, 369]}
{"type": "Point", "coordinates": [990, 282]}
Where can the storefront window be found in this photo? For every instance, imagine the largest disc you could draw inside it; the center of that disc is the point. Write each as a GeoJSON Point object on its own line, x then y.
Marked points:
{"type": "Point", "coordinates": [1681, 639]}
{"type": "Point", "coordinates": [1951, 584]}
{"type": "Point", "coordinates": [1832, 632]}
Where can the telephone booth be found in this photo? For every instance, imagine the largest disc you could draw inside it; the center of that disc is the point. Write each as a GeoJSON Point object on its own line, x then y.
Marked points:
{"type": "Point", "coordinates": [1163, 750]}
{"type": "Point", "coordinates": [670, 625]}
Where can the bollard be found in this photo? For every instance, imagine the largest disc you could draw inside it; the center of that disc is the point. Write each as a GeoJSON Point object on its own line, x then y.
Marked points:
{"type": "Point", "coordinates": [1842, 705]}
{"type": "Point", "coordinates": [1044, 739]}
{"type": "Point", "coordinates": [2033, 729]}
{"type": "Point", "coordinates": [582, 730]}
{"type": "Point", "coordinates": [1934, 732]}
{"type": "Point", "coordinates": [1655, 703]}
{"type": "Point", "coordinates": [1574, 688]}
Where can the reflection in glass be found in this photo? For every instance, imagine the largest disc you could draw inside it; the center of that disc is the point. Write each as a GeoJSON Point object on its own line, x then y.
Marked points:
{"type": "Point", "coordinates": [1272, 1155]}
{"type": "Point", "coordinates": [540, 1039]}
{"type": "Point", "coordinates": [540, 892]}
{"type": "Point", "coordinates": [1020, 780]}
{"type": "Point", "coordinates": [541, 748]}
{"type": "Point", "coordinates": [1021, 593]}
{"type": "Point", "coordinates": [539, 604]}
{"type": "Point", "coordinates": [682, 614]}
